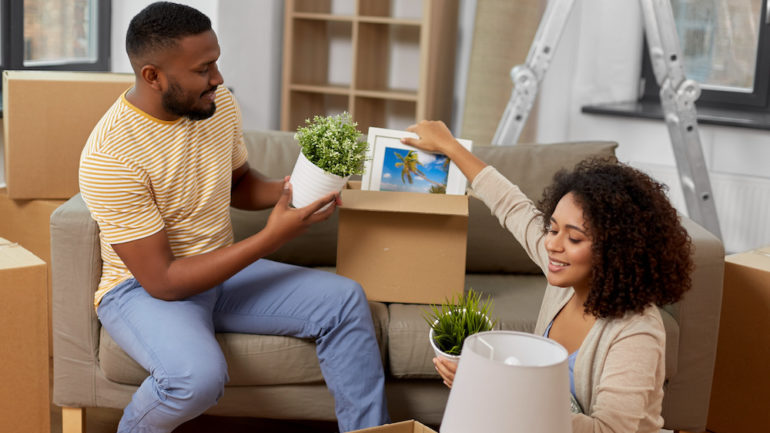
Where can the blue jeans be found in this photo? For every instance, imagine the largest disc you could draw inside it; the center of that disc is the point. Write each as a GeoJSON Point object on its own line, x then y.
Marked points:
{"type": "Point", "coordinates": [175, 341]}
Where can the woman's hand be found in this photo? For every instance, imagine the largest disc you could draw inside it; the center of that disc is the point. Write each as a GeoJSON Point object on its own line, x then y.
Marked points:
{"type": "Point", "coordinates": [446, 369]}
{"type": "Point", "coordinates": [433, 136]}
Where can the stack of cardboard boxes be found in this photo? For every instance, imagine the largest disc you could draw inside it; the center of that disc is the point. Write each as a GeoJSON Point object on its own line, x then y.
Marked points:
{"type": "Point", "coordinates": [47, 117]}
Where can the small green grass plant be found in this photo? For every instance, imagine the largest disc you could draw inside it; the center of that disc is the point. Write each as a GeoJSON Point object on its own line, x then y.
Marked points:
{"type": "Point", "coordinates": [333, 144]}
{"type": "Point", "coordinates": [458, 318]}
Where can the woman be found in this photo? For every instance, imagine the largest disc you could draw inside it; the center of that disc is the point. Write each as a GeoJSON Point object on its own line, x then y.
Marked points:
{"type": "Point", "coordinates": [612, 249]}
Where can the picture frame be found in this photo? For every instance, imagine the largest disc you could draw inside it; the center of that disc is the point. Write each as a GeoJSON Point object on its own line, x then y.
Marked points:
{"type": "Point", "coordinates": [393, 166]}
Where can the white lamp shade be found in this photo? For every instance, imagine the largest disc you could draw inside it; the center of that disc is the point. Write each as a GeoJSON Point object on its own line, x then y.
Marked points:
{"type": "Point", "coordinates": [509, 382]}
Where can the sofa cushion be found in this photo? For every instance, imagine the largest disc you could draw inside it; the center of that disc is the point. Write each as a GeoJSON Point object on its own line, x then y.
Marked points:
{"type": "Point", "coordinates": [491, 248]}
{"type": "Point", "coordinates": [251, 359]}
{"type": "Point", "coordinates": [672, 342]}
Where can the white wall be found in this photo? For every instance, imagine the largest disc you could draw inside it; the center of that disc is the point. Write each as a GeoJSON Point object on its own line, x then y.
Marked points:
{"type": "Point", "coordinates": [598, 60]}
{"type": "Point", "coordinates": [250, 35]}
{"type": "Point", "coordinates": [124, 10]}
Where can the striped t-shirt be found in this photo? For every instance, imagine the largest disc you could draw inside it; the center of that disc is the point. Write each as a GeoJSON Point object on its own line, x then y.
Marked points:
{"type": "Point", "coordinates": [140, 174]}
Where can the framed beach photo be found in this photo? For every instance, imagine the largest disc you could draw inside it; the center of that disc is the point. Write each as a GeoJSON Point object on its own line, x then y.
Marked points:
{"type": "Point", "coordinates": [394, 166]}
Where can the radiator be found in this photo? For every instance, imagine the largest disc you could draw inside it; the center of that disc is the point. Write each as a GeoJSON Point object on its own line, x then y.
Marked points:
{"type": "Point", "coordinates": [742, 202]}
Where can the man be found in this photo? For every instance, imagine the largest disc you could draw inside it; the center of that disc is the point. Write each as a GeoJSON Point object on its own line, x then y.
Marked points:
{"type": "Point", "coordinates": [159, 173]}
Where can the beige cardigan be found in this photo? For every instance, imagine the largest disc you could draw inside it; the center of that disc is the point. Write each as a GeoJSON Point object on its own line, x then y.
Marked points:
{"type": "Point", "coordinates": [619, 370]}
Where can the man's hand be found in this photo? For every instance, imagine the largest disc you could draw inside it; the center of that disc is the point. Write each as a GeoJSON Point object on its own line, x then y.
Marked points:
{"type": "Point", "coordinates": [446, 369]}
{"type": "Point", "coordinates": [286, 223]}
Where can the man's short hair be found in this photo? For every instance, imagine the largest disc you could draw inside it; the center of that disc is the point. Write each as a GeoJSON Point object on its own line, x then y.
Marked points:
{"type": "Point", "coordinates": [160, 25]}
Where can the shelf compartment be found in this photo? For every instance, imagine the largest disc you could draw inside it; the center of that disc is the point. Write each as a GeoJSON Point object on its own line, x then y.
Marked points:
{"type": "Point", "coordinates": [406, 95]}
{"type": "Point", "coordinates": [305, 105]}
{"type": "Point", "coordinates": [337, 7]}
{"type": "Point", "coordinates": [333, 90]}
{"type": "Point", "coordinates": [323, 17]}
{"type": "Point", "coordinates": [319, 51]}
{"type": "Point", "coordinates": [383, 113]}
{"type": "Point", "coordinates": [392, 21]}
{"type": "Point", "coordinates": [398, 9]}
{"type": "Point", "coordinates": [388, 57]}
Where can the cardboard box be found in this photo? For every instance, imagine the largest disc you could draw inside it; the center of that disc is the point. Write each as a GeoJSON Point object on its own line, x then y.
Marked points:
{"type": "Point", "coordinates": [25, 395]}
{"type": "Point", "coordinates": [403, 246]}
{"type": "Point", "coordinates": [399, 427]}
{"type": "Point", "coordinates": [27, 222]}
{"type": "Point", "coordinates": [741, 380]}
{"type": "Point", "coordinates": [47, 118]}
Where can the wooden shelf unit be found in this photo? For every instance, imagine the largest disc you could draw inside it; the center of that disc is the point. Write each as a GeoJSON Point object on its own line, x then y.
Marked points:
{"type": "Point", "coordinates": [371, 40]}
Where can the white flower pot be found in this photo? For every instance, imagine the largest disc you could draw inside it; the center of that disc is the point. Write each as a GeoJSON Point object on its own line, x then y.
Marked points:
{"type": "Point", "coordinates": [438, 352]}
{"type": "Point", "coordinates": [309, 182]}
{"type": "Point", "coordinates": [444, 355]}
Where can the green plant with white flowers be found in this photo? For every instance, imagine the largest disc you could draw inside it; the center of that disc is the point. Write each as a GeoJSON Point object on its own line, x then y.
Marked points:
{"type": "Point", "coordinates": [333, 144]}
{"type": "Point", "coordinates": [459, 318]}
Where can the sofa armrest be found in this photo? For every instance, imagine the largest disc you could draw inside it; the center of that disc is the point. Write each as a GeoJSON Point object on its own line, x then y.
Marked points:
{"type": "Point", "coordinates": [686, 402]}
{"type": "Point", "coordinates": [76, 268]}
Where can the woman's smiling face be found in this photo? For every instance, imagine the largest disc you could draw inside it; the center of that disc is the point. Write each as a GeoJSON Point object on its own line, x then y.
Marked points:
{"type": "Point", "coordinates": [570, 258]}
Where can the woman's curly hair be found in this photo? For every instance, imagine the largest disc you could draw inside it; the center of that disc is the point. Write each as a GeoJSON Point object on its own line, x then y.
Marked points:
{"type": "Point", "coordinates": [640, 251]}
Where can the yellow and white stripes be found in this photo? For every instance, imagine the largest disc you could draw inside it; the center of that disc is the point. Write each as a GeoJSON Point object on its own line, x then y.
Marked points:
{"type": "Point", "coordinates": [139, 174]}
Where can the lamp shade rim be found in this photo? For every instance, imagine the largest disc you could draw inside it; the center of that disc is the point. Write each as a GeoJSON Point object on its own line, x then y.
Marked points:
{"type": "Point", "coordinates": [559, 358]}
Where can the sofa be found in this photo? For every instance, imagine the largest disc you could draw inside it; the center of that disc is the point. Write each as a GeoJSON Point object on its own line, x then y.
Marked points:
{"type": "Point", "coordinates": [279, 377]}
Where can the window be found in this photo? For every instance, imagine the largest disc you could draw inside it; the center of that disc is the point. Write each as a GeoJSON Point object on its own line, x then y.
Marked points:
{"type": "Point", "coordinates": [725, 47]}
{"type": "Point", "coordinates": [69, 35]}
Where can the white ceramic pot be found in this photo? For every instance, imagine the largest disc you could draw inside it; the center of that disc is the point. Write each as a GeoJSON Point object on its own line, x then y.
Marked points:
{"type": "Point", "coordinates": [309, 182]}
{"type": "Point", "coordinates": [444, 355]}
{"type": "Point", "coordinates": [438, 352]}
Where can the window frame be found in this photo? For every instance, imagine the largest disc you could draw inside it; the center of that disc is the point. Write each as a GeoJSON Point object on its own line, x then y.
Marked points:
{"type": "Point", "coordinates": [757, 100]}
{"type": "Point", "coordinates": [13, 40]}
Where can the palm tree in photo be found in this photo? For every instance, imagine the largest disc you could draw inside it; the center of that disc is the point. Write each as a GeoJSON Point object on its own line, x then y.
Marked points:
{"type": "Point", "coordinates": [410, 165]}
{"type": "Point", "coordinates": [437, 189]}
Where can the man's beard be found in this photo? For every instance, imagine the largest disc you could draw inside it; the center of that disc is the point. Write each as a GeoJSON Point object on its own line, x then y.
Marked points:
{"type": "Point", "coordinates": [174, 102]}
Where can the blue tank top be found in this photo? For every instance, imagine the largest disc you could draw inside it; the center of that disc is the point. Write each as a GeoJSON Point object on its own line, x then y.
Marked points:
{"type": "Point", "coordinates": [570, 361]}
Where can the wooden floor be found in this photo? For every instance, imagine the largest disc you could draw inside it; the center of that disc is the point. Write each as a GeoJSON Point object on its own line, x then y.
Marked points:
{"type": "Point", "coordinates": [106, 421]}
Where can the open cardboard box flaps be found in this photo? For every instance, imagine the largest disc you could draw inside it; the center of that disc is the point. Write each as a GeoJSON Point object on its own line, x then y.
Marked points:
{"type": "Point", "coordinates": [412, 202]}
{"type": "Point", "coordinates": [410, 426]}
